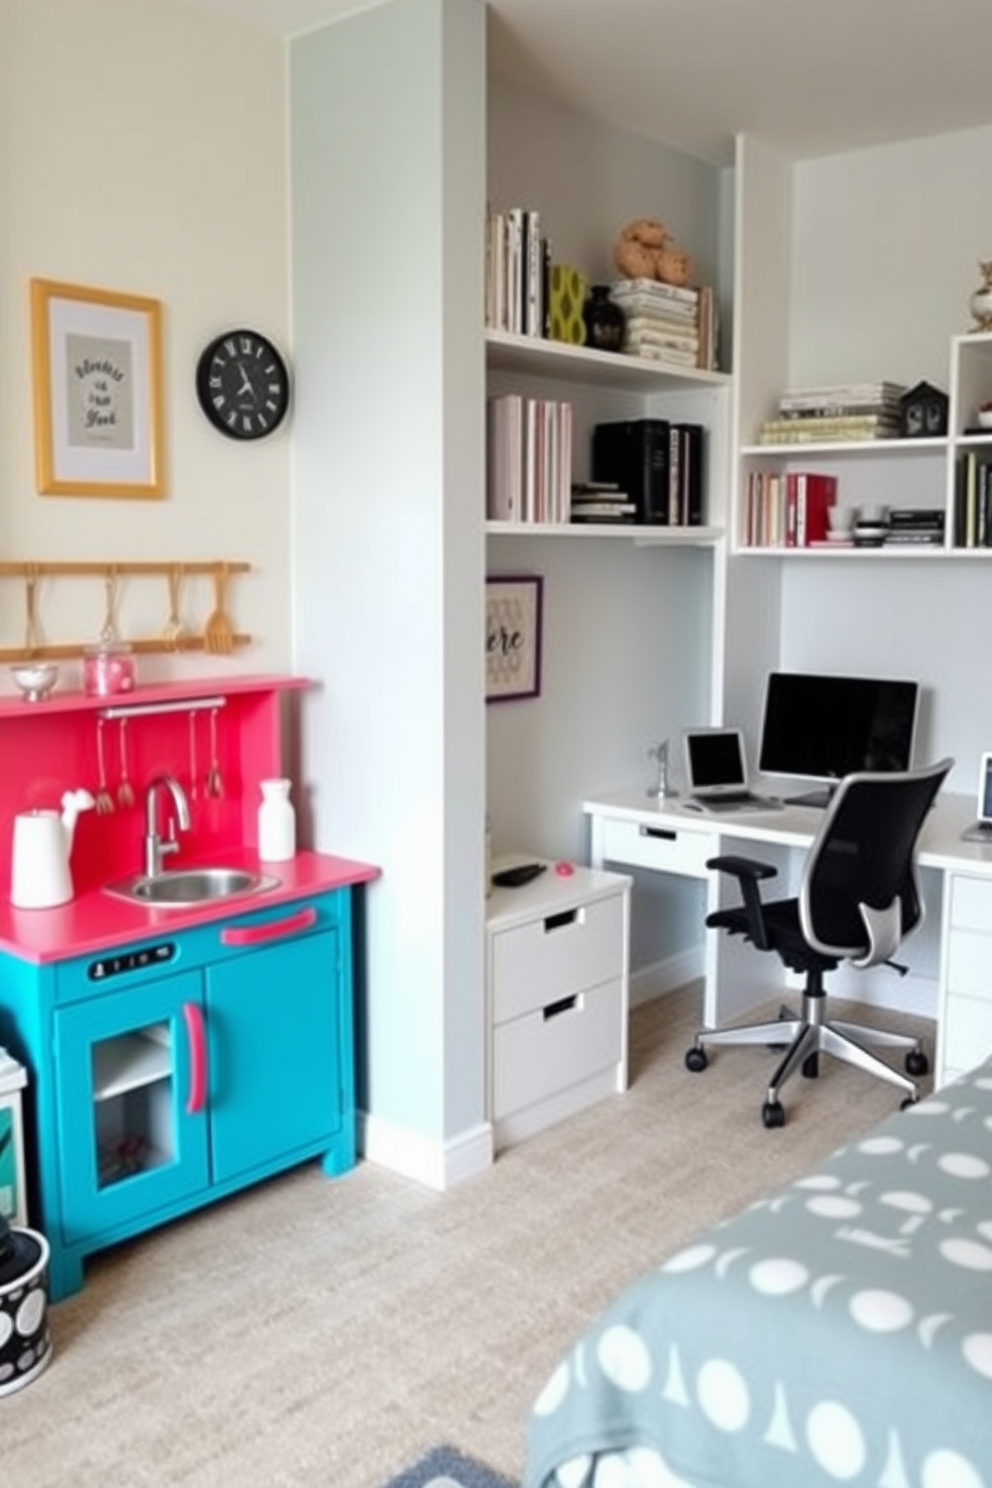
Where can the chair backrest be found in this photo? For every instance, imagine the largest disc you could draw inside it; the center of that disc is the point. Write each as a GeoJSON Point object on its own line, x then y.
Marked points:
{"type": "Point", "coordinates": [859, 894]}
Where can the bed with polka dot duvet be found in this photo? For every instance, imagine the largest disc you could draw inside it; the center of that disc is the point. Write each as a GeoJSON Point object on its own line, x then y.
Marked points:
{"type": "Point", "coordinates": [837, 1332]}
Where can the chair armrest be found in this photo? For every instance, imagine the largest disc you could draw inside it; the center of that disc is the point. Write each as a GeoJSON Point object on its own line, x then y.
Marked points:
{"type": "Point", "coordinates": [742, 867]}
{"type": "Point", "coordinates": [748, 873]}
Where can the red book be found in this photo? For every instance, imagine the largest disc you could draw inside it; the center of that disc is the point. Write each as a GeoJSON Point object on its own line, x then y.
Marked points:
{"type": "Point", "coordinates": [814, 494]}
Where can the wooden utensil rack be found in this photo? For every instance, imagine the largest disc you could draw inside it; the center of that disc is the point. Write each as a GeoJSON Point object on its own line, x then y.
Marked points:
{"type": "Point", "coordinates": [174, 573]}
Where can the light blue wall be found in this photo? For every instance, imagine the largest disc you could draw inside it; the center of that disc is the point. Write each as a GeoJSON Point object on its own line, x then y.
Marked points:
{"type": "Point", "coordinates": [387, 206]}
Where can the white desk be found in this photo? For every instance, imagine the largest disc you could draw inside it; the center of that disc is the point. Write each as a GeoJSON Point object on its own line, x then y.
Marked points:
{"type": "Point", "coordinates": [631, 829]}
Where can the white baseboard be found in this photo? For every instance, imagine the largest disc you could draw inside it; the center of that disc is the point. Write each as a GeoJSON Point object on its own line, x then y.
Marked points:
{"type": "Point", "coordinates": [664, 976]}
{"type": "Point", "coordinates": [438, 1165]}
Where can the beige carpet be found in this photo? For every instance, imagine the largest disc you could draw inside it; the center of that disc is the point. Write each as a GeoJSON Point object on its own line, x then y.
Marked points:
{"type": "Point", "coordinates": [325, 1333]}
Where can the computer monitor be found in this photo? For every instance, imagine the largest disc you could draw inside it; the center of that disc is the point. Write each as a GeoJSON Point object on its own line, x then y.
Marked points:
{"type": "Point", "coordinates": [825, 727]}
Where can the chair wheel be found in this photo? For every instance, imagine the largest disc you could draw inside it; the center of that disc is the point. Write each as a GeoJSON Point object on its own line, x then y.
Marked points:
{"type": "Point", "coordinates": [910, 1100]}
{"type": "Point", "coordinates": [773, 1114]}
{"type": "Point", "coordinates": [811, 1066]}
{"type": "Point", "coordinates": [917, 1063]}
{"type": "Point", "coordinates": [696, 1060]}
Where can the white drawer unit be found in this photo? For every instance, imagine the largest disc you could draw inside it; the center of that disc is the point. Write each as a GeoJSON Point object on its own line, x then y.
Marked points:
{"type": "Point", "coordinates": [557, 979]}
{"type": "Point", "coordinates": [965, 1023]}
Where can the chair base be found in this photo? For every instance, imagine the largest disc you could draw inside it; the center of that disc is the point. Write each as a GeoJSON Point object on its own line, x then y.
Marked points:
{"type": "Point", "coordinates": [809, 1034]}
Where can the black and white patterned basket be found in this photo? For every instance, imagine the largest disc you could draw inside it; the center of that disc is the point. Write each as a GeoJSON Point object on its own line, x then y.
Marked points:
{"type": "Point", "coordinates": [25, 1345]}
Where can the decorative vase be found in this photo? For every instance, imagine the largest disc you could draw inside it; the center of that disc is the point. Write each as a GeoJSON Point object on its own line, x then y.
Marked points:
{"type": "Point", "coordinates": [981, 300]}
{"type": "Point", "coordinates": [276, 822]}
{"type": "Point", "coordinates": [605, 320]}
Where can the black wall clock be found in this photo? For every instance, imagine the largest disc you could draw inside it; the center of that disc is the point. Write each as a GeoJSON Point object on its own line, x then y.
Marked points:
{"type": "Point", "coordinates": [242, 383]}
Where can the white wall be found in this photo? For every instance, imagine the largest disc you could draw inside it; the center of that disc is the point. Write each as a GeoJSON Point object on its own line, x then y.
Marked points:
{"type": "Point", "coordinates": [143, 149]}
{"type": "Point", "coordinates": [886, 245]}
{"type": "Point", "coordinates": [388, 209]}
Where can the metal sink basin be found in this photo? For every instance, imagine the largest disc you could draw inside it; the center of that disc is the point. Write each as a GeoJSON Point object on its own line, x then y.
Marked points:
{"type": "Point", "coordinates": [184, 887]}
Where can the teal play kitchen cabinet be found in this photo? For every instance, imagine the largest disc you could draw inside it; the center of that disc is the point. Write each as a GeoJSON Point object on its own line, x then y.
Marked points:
{"type": "Point", "coordinates": [174, 1054]}
{"type": "Point", "coordinates": [177, 1069]}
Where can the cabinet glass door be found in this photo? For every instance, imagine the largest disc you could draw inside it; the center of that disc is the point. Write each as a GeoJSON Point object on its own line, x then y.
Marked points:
{"type": "Point", "coordinates": [132, 1130]}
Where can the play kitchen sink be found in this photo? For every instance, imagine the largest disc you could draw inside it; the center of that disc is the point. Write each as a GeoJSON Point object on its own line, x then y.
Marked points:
{"type": "Point", "coordinates": [180, 888]}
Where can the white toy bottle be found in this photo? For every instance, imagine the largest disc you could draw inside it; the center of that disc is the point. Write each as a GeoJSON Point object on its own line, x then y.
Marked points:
{"type": "Point", "coordinates": [276, 822]}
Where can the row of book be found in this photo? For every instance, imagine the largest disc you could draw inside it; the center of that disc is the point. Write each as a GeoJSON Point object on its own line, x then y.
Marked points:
{"type": "Point", "coordinates": [518, 267]}
{"type": "Point", "coordinates": [658, 463]}
{"type": "Point", "coordinates": [786, 509]}
{"type": "Point", "coordinates": [973, 500]}
{"type": "Point", "coordinates": [529, 459]}
{"type": "Point", "coordinates": [668, 322]}
{"type": "Point", "coordinates": [836, 412]}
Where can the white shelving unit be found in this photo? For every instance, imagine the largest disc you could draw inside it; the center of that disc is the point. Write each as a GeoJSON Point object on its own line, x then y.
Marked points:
{"type": "Point", "coordinates": [904, 472]}
{"type": "Point", "coordinates": [610, 385]}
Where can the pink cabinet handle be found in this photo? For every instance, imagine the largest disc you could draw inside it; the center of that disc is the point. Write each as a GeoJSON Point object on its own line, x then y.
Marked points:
{"type": "Point", "coordinates": [197, 1058]}
{"type": "Point", "coordinates": [242, 935]}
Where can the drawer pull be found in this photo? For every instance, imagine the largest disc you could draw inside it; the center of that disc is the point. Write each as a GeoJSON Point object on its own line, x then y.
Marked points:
{"type": "Point", "coordinates": [665, 834]}
{"type": "Point", "coordinates": [555, 1009]}
{"type": "Point", "coordinates": [559, 921]}
{"type": "Point", "coordinates": [242, 935]}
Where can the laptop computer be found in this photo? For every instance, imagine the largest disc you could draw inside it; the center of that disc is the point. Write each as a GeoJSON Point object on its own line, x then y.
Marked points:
{"type": "Point", "coordinates": [716, 772]}
{"type": "Point", "coordinates": [981, 830]}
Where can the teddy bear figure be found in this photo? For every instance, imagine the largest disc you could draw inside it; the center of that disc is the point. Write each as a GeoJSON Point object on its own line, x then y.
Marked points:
{"type": "Point", "coordinates": [645, 250]}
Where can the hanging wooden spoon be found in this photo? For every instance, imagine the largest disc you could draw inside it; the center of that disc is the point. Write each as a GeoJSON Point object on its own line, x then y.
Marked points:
{"type": "Point", "coordinates": [30, 617]}
{"type": "Point", "coordinates": [173, 632]}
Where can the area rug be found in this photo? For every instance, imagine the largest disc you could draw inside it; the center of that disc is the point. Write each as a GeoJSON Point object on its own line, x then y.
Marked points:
{"type": "Point", "coordinates": [446, 1467]}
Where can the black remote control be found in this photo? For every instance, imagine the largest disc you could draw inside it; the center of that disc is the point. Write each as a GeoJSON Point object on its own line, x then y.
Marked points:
{"type": "Point", "coordinates": [515, 878]}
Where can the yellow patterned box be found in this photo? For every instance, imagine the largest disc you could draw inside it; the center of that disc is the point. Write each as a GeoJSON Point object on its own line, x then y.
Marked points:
{"type": "Point", "coordinates": [569, 288]}
{"type": "Point", "coordinates": [13, 1195]}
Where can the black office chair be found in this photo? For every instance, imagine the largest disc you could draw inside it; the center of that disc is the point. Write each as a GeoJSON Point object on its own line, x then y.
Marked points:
{"type": "Point", "coordinates": [857, 901]}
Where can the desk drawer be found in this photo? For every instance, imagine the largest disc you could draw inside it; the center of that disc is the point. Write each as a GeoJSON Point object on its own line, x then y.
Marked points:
{"type": "Point", "coordinates": [967, 1033]}
{"type": "Point", "coordinates": [553, 956]}
{"type": "Point", "coordinates": [969, 963]}
{"type": "Point", "coordinates": [548, 1050]}
{"type": "Point", "coordinates": [666, 849]}
{"type": "Point", "coordinates": [971, 902]}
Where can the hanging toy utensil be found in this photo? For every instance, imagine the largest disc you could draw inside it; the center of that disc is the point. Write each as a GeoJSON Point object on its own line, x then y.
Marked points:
{"type": "Point", "coordinates": [125, 793]}
{"type": "Point", "coordinates": [215, 785]}
{"type": "Point", "coordinates": [104, 800]}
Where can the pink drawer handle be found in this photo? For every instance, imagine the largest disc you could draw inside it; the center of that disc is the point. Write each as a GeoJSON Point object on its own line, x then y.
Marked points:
{"type": "Point", "coordinates": [197, 1058]}
{"type": "Point", "coordinates": [242, 935]}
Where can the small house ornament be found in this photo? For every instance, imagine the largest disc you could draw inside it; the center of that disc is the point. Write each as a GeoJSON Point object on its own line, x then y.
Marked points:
{"type": "Point", "coordinates": [923, 412]}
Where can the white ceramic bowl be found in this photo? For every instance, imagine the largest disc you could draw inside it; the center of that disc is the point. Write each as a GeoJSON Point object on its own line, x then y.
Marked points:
{"type": "Point", "coordinates": [35, 679]}
{"type": "Point", "coordinates": [985, 418]}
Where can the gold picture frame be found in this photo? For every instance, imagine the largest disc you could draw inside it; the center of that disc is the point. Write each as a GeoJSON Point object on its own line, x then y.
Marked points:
{"type": "Point", "coordinates": [97, 391]}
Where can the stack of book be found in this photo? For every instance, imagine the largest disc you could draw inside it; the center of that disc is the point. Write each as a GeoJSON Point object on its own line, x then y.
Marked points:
{"type": "Point", "coordinates": [529, 459]}
{"type": "Point", "coordinates": [667, 322]}
{"type": "Point", "coordinates": [909, 527]}
{"type": "Point", "coordinates": [658, 463]}
{"type": "Point", "coordinates": [601, 501]}
{"type": "Point", "coordinates": [840, 412]}
{"type": "Point", "coordinates": [517, 272]}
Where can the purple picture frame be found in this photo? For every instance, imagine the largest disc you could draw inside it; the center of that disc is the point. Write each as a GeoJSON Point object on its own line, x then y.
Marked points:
{"type": "Point", "coordinates": [514, 617]}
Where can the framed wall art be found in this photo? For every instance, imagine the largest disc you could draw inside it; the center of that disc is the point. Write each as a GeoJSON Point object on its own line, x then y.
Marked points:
{"type": "Point", "coordinates": [513, 637]}
{"type": "Point", "coordinates": [97, 391]}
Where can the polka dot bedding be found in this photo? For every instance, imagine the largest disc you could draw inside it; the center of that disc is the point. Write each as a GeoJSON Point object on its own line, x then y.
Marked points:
{"type": "Point", "coordinates": [838, 1332]}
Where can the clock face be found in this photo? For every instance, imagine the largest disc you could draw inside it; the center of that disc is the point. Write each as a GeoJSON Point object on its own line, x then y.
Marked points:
{"type": "Point", "coordinates": [242, 383]}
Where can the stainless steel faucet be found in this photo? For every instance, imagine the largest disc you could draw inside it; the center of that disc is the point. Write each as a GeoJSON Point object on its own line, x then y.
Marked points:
{"type": "Point", "coordinates": [155, 848]}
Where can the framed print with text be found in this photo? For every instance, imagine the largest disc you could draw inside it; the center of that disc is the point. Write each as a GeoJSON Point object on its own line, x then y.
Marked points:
{"type": "Point", "coordinates": [513, 637]}
{"type": "Point", "coordinates": [97, 391]}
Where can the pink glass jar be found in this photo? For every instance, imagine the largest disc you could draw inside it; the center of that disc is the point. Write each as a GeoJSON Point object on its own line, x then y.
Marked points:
{"type": "Point", "coordinates": [108, 669]}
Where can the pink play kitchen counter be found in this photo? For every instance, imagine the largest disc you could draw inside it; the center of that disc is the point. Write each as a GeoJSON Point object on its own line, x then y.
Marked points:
{"type": "Point", "coordinates": [175, 1054]}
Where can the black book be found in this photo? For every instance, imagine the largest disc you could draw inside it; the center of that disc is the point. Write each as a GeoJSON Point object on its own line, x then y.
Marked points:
{"type": "Point", "coordinates": [690, 464]}
{"type": "Point", "coordinates": [634, 454]}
